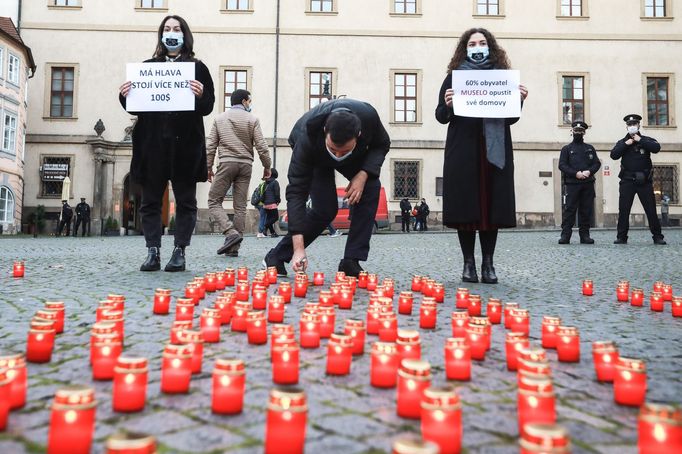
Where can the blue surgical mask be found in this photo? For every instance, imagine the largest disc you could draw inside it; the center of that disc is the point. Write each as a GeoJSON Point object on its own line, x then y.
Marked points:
{"type": "Point", "coordinates": [632, 130]}
{"type": "Point", "coordinates": [342, 158]}
{"type": "Point", "coordinates": [172, 40]}
{"type": "Point", "coordinates": [478, 53]}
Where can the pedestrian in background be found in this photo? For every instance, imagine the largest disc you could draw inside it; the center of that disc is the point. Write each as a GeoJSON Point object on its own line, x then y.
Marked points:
{"type": "Point", "coordinates": [271, 200]}
{"type": "Point", "coordinates": [65, 219]}
{"type": "Point", "coordinates": [423, 212]}
{"type": "Point", "coordinates": [171, 146]}
{"type": "Point", "coordinates": [478, 169]}
{"type": "Point", "coordinates": [82, 216]}
{"type": "Point", "coordinates": [665, 210]}
{"type": "Point", "coordinates": [405, 213]}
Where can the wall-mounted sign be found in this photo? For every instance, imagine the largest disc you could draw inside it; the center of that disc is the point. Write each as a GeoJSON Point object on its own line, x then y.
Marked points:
{"type": "Point", "coordinates": [54, 172]}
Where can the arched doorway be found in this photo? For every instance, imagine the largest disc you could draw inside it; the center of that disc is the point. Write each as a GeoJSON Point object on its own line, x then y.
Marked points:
{"type": "Point", "coordinates": [132, 198]}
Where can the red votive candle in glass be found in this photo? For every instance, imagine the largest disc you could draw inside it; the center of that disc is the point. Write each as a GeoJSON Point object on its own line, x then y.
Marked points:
{"type": "Point", "coordinates": [441, 418]}
{"type": "Point", "coordinates": [210, 325]}
{"type": "Point", "coordinates": [5, 383]}
{"type": "Point", "coordinates": [340, 276]}
{"type": "Point", "coordinates": [40, 342]}
{"type": "Point", "coordinates": [549, 331]}
{"type": "Point", "coordinates": [15, 364]}
{"type": "Point", "coordinates": [474, 305]}
{"type": "Point", "coordinates": [629, 383]}
{"type": "Point", "coordinates": [242, 291]}
{"type": "Point", "coordinates": [192, 291]}
{"type": "Point", "coordinates": [637, 298]}
{"type": "Point", "coordinates": [162, 299]}
{"type": "Point", "coordinates": [356, 330]}
{"type": "Point", "coordinates": [256, 328]}
{"type": "Point", "coordinates": [230, 277]}
{"type": "Point", "coordinates": [389, 287]}
{"type": "Point", "coordinates": [537, 438]}
{"type": "Point", "coordinates": [388, 327]}
{"type": "Point", "coordinates": [326, 298]}
{"type": "Point", "coordinates": [362, 279]}
{"type": "Point", "coordinates": [286, 421]}
{"type": "Point", "coordinates": [242, 273]}
{"type": "Point", "coordinates": [18, 269]}
{"type": "Point", "coordinates": [259, 300]}
{"type": "Point", "coordinates": [220, 280]}
{"type": "Point", "coordinates": [184, 309]}
{"type": "Point", "coordinates": [58, 308]}
{"type": "Point", "coordinates": [373, 314]}
{"type": "Point", "coordinates": [588, 287]}
{"type": "Point", "coordinates": [177, 328]}
{"type": "Point", "coordinates": [462, 298]}
{"type": "Point", "coordinates": [667, 292]}
{"type": "Point", "coordinates": [309, 330]}
{"type": "Point", "coordinates": [428, 313]}
{"type": "Point", "coordinates": [494, 310]}
{"type": "Point", "coordinates": [658, 286]}
{"type": "Point", "coordinates": [196, 340]}
{"type": "Point", "coordinates": [622, 290]}
{"type": "Point", "coordinates": [533, 353]}
{"type": "Point", "coordinates": [285, 363]}
{"type": "Point", "coordinates": [318, 278]}
{"type": "Point", "coordinates": [130, 443]}
{"type": "Point", "coordinates": [677, 306]}
{"type": "Point", "coordinates": [536, 401]}
{"type": "Point", "coordinates": [281, 333]}
{"type": "Point", "coordinates": [239, 312]}
{"type": "Point", "coordinates": [568, 344]}
{"type": "Point", "coordinates": [656, 302]}
{"type": "Point", "coordinates": [229, 378]}
{"type": "Point", "coordinates": [276, 309]}
{"type": "Point", "coordinates": [119, 301]}
{"type": "Point", "coordinates": [327, 317]}
{"type": "Point", "coordinates": [513, 343]}
{"type": "Point", "coordinates": [352, 282]}
{"type": "Point", "coordinates": [176, 368]}
{"type": "Point", "coordinates": [224, 304]}
{"type": "Point", "coordinates": [457, 359]}
{"type": "Point", "coordinates": [414, 376]}
{"type": "Point", "coordinates": [339, 354]}
{"type": "Point", "coordinates": [200, 284]}
{"type": "Point", "coordinates": [344, 298]}
{"type": "Point", "coordinates": [409, 344]}
{"type": "Point", "coordinates": [405, 301]}
{"type": "Point", "coordinates": [372, 281]}
{"type": "Point", "coordinates": [605, 356]}
{"type": "Point", "coordinates": [416, 283]}
{"type": "Point", "coordinates": [476, 337]}
{"type": "Point", "coordinates": [659, 429]}
{"type": "Point", "coordinates": [130, 384]}
{"type": "Point", "coordinates": [460, 321]}
{"type": "Point", "coordinates": [507, 314]}
{"type": "Point", "coordinates": [384, 365]}
{"type": "Point", "coordinates": [300, 288]}
{"type": "Point", "coordinates": [439, 292]}
{"type": "Point", "coordinates": [72, 421]}
{"type": "Point", "coordinates": [105, 354]}
{"type": "Point", "coordinates": [52, 316]}
{"type": "Point", "coordinates": [520, 321]}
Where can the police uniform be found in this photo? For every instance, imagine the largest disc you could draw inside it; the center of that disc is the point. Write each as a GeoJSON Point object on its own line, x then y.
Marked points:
{"type": "Point", "coordinates": [636, 177]}
{"type": "Point", "coordinates": [82, 216]}
{"type": "Point", "coordinates": [576, 157]}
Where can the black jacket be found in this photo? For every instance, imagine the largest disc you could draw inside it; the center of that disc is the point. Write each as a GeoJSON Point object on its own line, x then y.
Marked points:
{"type": "Point", "coordinates": [405, 207]}
{"type": "Point", "coordinates": [271, 192]}
{"type": "Point", "coordinates": [635, 157]}
{"type": "Point", "coordinates": [83, 210]}
{"type": "Point", "coordinates": [67, 212]}
{"type": "Point", "coordinates": [576, 157]}
{"type": "Point", "coordinates": [423, 210]}
{"type": "Point", "coordinates": [309, 152]}
{"type": "Point", "coordinates": [173, 142]}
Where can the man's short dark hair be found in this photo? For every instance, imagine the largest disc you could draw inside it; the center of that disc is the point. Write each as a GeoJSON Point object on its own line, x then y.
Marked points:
{"type": "Point", "coordinates": [342, 126]}
{"type": "Point", "coordinates": [238, 96]}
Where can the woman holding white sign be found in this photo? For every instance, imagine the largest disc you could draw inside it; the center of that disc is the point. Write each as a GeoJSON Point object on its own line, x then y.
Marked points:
{"type": "Point", "coordinates": [478, 170]}
{"type": "Point", "coordinates": [170, 144]}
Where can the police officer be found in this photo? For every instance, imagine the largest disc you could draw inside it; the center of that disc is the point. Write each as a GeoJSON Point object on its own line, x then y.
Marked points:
{"type": "Point", "coordinates": [65, 219]}
{"type": "Point", "coordinates": [578, 163]}
{"type": "Point", "coordinates": [636, 177]}
{"type": "Point", "coordinates": [82, 215]}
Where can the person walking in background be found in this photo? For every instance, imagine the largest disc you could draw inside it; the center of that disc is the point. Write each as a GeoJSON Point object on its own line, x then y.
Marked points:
{"type": "Point", "coordinates": [65, 219]}
{"type": "Point", "coordinates": [665, 210]}
{"type": "Point", "coordinates": [271, 200]}
{"type": "Point", "coordinates": [478, 169]}
{"type": "Point", "coordinates": [234, 135]}
{"type": "Point", "coordinates": [423, 212]}
{"type": "Point", "coordinates": [405, 213]}
{"type": "Point", "coordinates": [82, 216]}
{"type": "Point", "coordinates": [171, 146]}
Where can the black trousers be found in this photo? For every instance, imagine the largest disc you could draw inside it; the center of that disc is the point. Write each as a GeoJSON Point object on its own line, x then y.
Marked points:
{"type": "Point", "coordinates": [185, 210]}
{"type": "Point", "coordinates": [580, 199]}
{"type": "Point", "coordinates": [645, 192]}
{"type": "Point", "coordinates": [406, 222]}
{"type": "Point", "coordinates": [86, 225]}
{"type": "Point", "coordinates": [323, 212]}
{"type": "Point", "coordinates": [271, 217]}
{"type": "Point", "coordinates": [64, 223]}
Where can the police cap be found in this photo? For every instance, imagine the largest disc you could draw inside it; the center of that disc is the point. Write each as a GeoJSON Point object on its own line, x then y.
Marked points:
{"type": "Point", "coordinates": [579, 125]}
{"type": "Point", "coordinates": [632, 118]}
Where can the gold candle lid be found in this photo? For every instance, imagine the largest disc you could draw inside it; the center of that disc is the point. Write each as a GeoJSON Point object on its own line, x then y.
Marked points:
{"type": "Point", "coordinates": [354, 324]}
{"type": "Point", "coordinates": [74, 397]}
{"type": "Point", "coordinates": [341, 340]}
{"type": "Point", "coordinates": [661, 413]}
{"type": "Point", "coordinates": [287, 399]}
{"type": "Point", "coordinates": [229, 366]}
{"type": "Point", "coordinates": [567, 331]}
{"type": "Point", "coordinates": [631, 364]}
{"type": "Point", "coordinates": [386, 348]}
{"type": "Point", "coordinates": [440, 398]}
{"type": "Point", "coordinates": [550, 320]}
{"type": "Point", "coordinates": [550, 437]}
{"type": "Point", "coordinates": [415, 368]}
{"type": "Point", "coordinates": [603, 346]}
{"type": "Point", "coordinates": [125, 441]}
{"type": "Point", "coordinates": [413, 445]}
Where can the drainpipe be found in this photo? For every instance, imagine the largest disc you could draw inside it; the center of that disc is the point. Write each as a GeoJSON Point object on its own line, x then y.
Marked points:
{"type": "Point", "coordinates": [19, 17]}
{"type": "Point", "coordinates": [274, 138]}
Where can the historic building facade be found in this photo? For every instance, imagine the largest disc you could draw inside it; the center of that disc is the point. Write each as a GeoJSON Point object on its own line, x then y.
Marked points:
{"type": "Point", "coordinates": [581, 59]}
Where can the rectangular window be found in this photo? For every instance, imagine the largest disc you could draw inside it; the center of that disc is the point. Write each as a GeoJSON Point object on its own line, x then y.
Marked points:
{"type": "Point", "coordinates": [573, 99]}
{"type": "Point", "coordinates": [654, 8]}
{"type": "Point", "coordinates": [406, 179]}
{"type": "Point", "coordinates": [61, 92]}
{"type": "Point", "coordinates": [53, 171]}
{"type": "Point", "coordinates": [571, 8]}
{"type": "Point", "coordinates": [237, 5]}
{"type": "Point", "coordinates": [439, 186]}
{"type": "Point", "coordinates": [66, 2]}
{"type": "Point", "coordinates": [152, 4]}
{"type": "Point", "coordinates": [405, 6]}
{"type": "Point", "coordinates": [666, 181]}
{"type": "Point", "coordinates": [234, 79]}
{"type": "Point", "coordinates": [2, 63]}
{"type": "Point", "coordinates": [319, 87]}
{"type": "Point", "coordinates": [321, 6]}
{"type": "Point", "coordinates": [488, 7]}
{"type": "Point", "coordinates": [405, 97]}
{"type": "Point", "coordinates": [657, 101]}
{"type": "Point", "coordinates": [9, 133]}
{"type": "Point", "coordinates": [13, 67]}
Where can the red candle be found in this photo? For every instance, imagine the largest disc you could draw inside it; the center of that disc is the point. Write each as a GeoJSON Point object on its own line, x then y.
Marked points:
{"type": "Point", "coordinates": [520, 321]}
{"type": "Point", "coordinates": [52, 316]}
{"type": "Point", "coordinates": [622, 290]}
{"type": "Point", "coordinates": [416, 283]}
{"type": "Point", "coordinates": [102, 307]}
{"type": "Point", "coordinates": [200, 284]}
{"type": "Point", "coordinates": [230, 277]}
{"type": "Point", "coordinates": [457, 359]}
{"type": "Point", "coordinates": [196, 340]}
{"type": "Point", "coordinates": [476, 337]}
{"type": "Point", "coordinates": [242, 291]}
{"type": "Point", "coordinates": [162, 299]}
{"type": "Point", "coordinates": [568, 344]}
{"type": "Point", "coordinates": [588, 287]}
{"type": "Point", "coordinates": [260, 299]}
{"type": "Point", "coordinates": [389, 287]}
{"type": "Point", "coordinates": [513, 343]}
{"type": "Point", "coordinates": [318, 278]}
{"type": "Point", "coordinates": [326, 297]}
{"type": "Point", "coordinates": [637, 297]}
{"type": "Point", "coordinates": [177, 328]}
{"type": "Point", "coordinates": [656, 302]}
{"type": "Point", "coordinates": [428, 287]}
{"type": "Point", "coordinates": [373, 313]}
{"type": "Point", "coordinates": [130, 443]}
{"type": "Point", "coordinates": [439, 292]}
{"type": "Point", "coordinates": [344, 298]}
{"type": "Point", "coordinates": [550, 325]}
{"type": "Point", "coordinates": [40, 342]}
{"type": "Point", "coordinates": [460, 321]}
{"type": "Point", "coordinates": [388, 327]}
{"type": "Point", "coordinates": [18, 269]}
{"type": "Point", "coordinates": [408, 344]}
{"type": "Point", "coordinates": [658, 286]}
{"type": "Point", "coordinates": [372, 281]}
{"type": "Point", "coordinates": [239, 312]}
{"type": "Point", "coordinates": [58, 308]}
{"type": "Point", "coordinates": [428, 313]}
{"type": "Point", "coordinates": [300, 288]}
{"type": "Point", "coordinates": [629, 383]}
{"type": "Point", "coordinates": [184, 309]}
{"type": "Point", "coordinates": [542, 438]}
{"type": "Point", "coordinates": [340, 276]}
{"type": "Point", "coordinates": [15, 364]}
{"type": "Point", "coordinates": [414, 376]}
{"type": "Point", "coordinates": [242, 273]}
{"type": "Point", "coordinates": [176, 368]}
{"type": "Point", "coordinates": [533, 353]}
{"type": "Point", "coordinates": [285, 363]}
{"type": "Point", "coordinates": [286, 421]}
{"type": "Point", "coordinates": [5, 384]}
{"type": "Point", "coordinates": [352, 282]}
{"type": "Point", "coordinates": [362, 279]}
{"type": "Point", "coordinates": [105, 355]}
{"type": "Point", "coordinates": [441, 418]}
{"type": "Point", "coordinates": [339, 354]}
{"type": "Point", "coordinates": [256, 328]}
{"type": "Point", "coordinates": [494, 310]}
{"type": "Point", "coordinates": [119, 300]}
{"type": "Point", "coordinates": [224, 304]}
{"type": "Point", "coordinates": [508, 307]}
{"type": "Point", "coordinates": [405, 301]}
{"type": "Point", "coordinates": [229, 378]}
{"type": "Point", "coordinates": [462, 298]}
{"type": "Point", "coordinates": [474, 305]}
{"type": "Point", "coordinates": [327, 316]}
{"type": "Point", "coordinates": [605, 356]}
{"type": "Point", "coordinates": [667, 292]}
{"type": "Point", "coordinates": [220, 280]}
{"type": "Point", "coordinates": [536, 401]}
{"type": "Point", "coordinates": [276, 309]}
{"type": "Point", "coordinates": [192, 291]}
{"type": "Point", "coordinates": [130, 384]}
{"type": "Point", "coordinates": [384, 365]}
{"type": "Point", "coordinates": [533, 369]}
{"type": "Point", "coordinates": [660, 429]}
{"type": "Point", "coordinates": [677, 306]}
{"type": "Point", "coordinates": [281, 334]}
{"type": "Point", "coordinates": [210, 325]}
{"type": "Point", "coordinates": [309, 330]}
{"type": "Point", "coordinates": [72, 421]}
{"type": "Point", "coordinates": [356, 330]}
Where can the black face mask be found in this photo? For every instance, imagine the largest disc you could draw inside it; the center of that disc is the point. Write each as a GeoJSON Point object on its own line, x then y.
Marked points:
{"type": "Point", "coordinates": [578, 138]}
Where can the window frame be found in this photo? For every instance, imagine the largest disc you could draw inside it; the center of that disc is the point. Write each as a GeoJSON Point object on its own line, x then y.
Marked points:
{"type": "Point", "coordinates": [12, 199]}
{"type": "Point", "coordinates": [2, 63]}
{"type": "Point", "coordinates": [499, 15]}
{"type": "Point", "coordinates": [139, 6]}
{"type": "Point", "coordinates": [77, 4]}
{"type": "Point", "coordinates": [671, 100]}
{"type": "Point", "coordinates": [309, 8]}
{"type": "Point", "coordinates": [11, 148]}
{"type": "Point", "coordinates": [224, 102]}
{"type": "Point", "coordinates": [394, 12]}
{"type": "Point", "coordinates": [47, 101]}
{"type": "Point", "coordinates": [17, 70]}
{"type": "Point", "coordinates": [225, 3]}
{"type": "Point", "coordinates": [418, 98]}
{"type": "Point", "coordinates": [584, 12]}
{"type": "Point", "coordinates": [667, 10]}
{"type": "Point", "coordinates": [675, 196]}
{"type": "Point", "coordinates": [586, 96]}
{"type": "Point", "coordinates": [420, 170]}
{"type": "Point", "coordinates": [308, 71]}
{"type": "Point", "coordinates": [42, 159]}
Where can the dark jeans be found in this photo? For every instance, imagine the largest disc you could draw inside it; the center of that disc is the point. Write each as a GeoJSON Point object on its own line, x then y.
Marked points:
{"type": "Point", "coordinates": [406, 222]}
{"type": "Point", "coordinates": [271, 217]}
{"type": "Point", "coordinates": [580, 199]}
{"type": "Point", "coordinates": [86, 225]}
{"type": "Point", "coordinates": [323, 212]}
{"type": "Point", "coordinates": [185, 210]}
{"type": "Point", "coordinates": [645, 192]}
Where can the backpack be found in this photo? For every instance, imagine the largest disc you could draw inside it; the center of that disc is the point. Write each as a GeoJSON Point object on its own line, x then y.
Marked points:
{"type": "Point", "coordinates": [257, 196]}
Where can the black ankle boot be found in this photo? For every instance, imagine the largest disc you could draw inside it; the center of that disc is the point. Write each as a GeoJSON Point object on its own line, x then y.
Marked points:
{"type": "Point", "coordinates": [469, 271]}
{"type": "Point", "coordinates": [153, 261]}
{"type": "Point", "coordinates": [488, 275]}
{"type": "Point", "coordinates": [177, 260]}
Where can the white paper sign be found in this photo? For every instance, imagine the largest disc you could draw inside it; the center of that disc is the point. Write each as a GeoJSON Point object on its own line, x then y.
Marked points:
{"type": "Point", "coordinates": [487, 93]}
{"type": "Point", "coordinates": [160, 87]}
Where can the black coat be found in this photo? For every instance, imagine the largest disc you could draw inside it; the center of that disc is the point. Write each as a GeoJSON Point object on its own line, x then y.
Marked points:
{"type": "Point", "coordinates": [173, 142]}
{"type": "Point", "coordinates": [635, 157]}
{"type": "Point", "coordinates": [405, 207]}
{"type": "Point", "coordinates": [461, 170]}
{"type": "Point", "coordinates": [576, 157]}
{"type": "Point", "coordinates": [271, 193]}
{"type": "Point", "coordinates": [309, 151]}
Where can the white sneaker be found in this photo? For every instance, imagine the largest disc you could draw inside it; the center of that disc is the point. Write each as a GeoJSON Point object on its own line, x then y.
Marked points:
{"type": "Point", "coordinates": [260, 235]}
{"type": "Point", "coordinates": [335, 234]}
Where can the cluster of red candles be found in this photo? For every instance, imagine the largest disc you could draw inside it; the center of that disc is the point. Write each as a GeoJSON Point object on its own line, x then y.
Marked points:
{"type": "Point", "coordinates": [661, 293]}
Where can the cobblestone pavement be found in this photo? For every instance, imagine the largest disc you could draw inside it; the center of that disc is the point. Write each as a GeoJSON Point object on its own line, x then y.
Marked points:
{"type": "Point", "coordinates": [346, 415]}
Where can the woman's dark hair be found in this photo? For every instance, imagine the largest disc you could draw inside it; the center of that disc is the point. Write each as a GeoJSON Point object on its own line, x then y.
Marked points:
{"type": "Point", "coordinates": [342, 126]}
{"type": "Point", "coordinates": [187, 50]}
{"type": "Point", "coordinates": [497, 56]}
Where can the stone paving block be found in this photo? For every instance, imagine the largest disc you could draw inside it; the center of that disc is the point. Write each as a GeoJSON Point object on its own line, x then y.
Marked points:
{"type": "Point", "coordinates": [157, 422]}
{"type": "Point", "coordinates": [12, 447]}
{"type": "Point", "coordinates": [355, 426]}
{"type": "Point", "coordinates": [333, 444]}
{"type": "Point", "coordinates": [201, 439]}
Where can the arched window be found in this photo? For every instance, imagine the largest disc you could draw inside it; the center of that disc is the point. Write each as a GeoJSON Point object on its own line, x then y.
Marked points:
{"type": "Point", "coordinates": [6, 205]}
